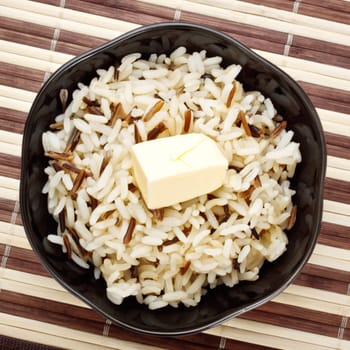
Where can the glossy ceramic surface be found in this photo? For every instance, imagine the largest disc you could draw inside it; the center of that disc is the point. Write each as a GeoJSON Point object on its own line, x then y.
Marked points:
{"type": "Point", "coordinates": [223, 302]}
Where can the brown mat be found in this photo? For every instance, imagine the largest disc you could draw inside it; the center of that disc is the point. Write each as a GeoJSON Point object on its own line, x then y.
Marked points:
{"type": "Point", "coordinates": [309, 39]}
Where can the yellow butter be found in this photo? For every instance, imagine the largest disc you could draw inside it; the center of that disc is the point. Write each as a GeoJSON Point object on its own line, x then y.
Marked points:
{"type": "Point", "coordinates": [174, 169]}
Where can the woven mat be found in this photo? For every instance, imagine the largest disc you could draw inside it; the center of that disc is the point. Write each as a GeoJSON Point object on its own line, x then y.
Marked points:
{"type": "Point", "coordinates": [309, 39]}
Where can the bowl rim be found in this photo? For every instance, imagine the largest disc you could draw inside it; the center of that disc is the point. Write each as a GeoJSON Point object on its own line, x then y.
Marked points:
{"type": "Point", "coordinates": [115, 42]}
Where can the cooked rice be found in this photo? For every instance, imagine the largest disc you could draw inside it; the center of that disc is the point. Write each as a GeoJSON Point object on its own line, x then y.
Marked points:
{"type": "Point", "coordinates": [171, 256]}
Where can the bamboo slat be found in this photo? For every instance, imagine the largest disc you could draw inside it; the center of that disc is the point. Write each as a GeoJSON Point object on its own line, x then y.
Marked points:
{"type": "Point", "coordinates": [34, 52]}
{"type": "Point", "coordinates": [19, 94]}
{"type": "Point", "coordinates": [11, 184]}
{"type": "Point", "coordinates": [339, 174]}
{"type": "Point", "coordinates": [338, 163]}
{"type": "Point", "coordinates": [12, 229]}
{"type": "Point", "coordinates": [334, 128]}
{"type": "Point", "coordinates": [307, 66]}
{"type": "Point", "coordinates": [71, 15]}
{"type": "Point", "coordinates": [15, 281]}
{"type": "Point", "coordinates": [333, 301]}
{"type": "Point", "coordinates": [67, 337]}
{"type": "Point", "coordinates": [336, 207]}
{"type": "Point", "coordinates": [325, 75]}
{"type": "Point", "coordinates": [9, 193]}
{"type": "Point", "coordinates": [331, 262]}
{"type": "Point", "coordinates": [34, 280]}
{"type": "Point", "coordinates": [11, 149]}
{"type": "Point", "coordinates": [29, 62]}
{"type": "Point", "coordinates": [13, 241]}
{"type": "Point", "coordinates": [285, 16]}
{"type": "Point", "coordinates": [291, 26]}
{"type": "Point", "coordinates": [328, 11]}
{"type": "Point", "coordinates": [41, 292]}
{"type": "Point", "coordinates": [10, 103]}
{"type": "Point", "coordinates": [11, 138]}
{"type": "Point", "coordinates": [317, 294]}
{"type": "Point", "coordinates": [67, 24]}
{"type": "Point", "coordinates": [281, 334]}
{"type": "Point", "coordinates": [325, 250]}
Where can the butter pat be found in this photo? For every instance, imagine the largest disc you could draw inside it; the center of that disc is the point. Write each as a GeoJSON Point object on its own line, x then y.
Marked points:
{"type": "Point", "coordinates": [174, 169]}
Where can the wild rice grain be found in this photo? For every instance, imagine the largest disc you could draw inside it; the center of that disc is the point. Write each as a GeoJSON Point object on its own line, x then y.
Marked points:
{"type": "Point", "coordinates": [128, 235]}
{"type": "Point", "coordinates": [257, 182]}
{"type": "Point", "coordinates": [70, 167]}
{"type": "Point", "coordinates": [89, 102]}
{"type": "Point", "coordinates": [187, 120]}
{"type": "Point", "coordinates": [118, 113]}
{"type": "Point", "coordinates": [255, 131]}
{"type": "Point", "coordinates": [57, 166]}
{"type": "Point", "coordinates": [59, 156]}
{"type": "Point", "coordinates": [156, 131]}
{"type": "Point", "coordinates": [245, 123]}
{"type": "Point", "coordinates": [72, 140]}
{"type": "Point", "coordinates": [64, 99]}
{"type": "Point", "coordinates": [137, 134]}
{"type": "Point", "coordinates": [153, 110]}
{"type": "Point", "coordinates": [62, 220]}
{"type": "Point", "coordinates": [68, 246]}
{"type": "Point", "coordinates": [92, 109]}
{"type": "Point", "coordinates": [56, 126]}
{"type": "Point", "coordinates": [105, 161]}
{"type": "Point", "coordinates": [278, 129]}
{"type": "Point", "coordinates": [184, 268]}
{"type": "Point", "coordinates": [231, 96]}
{"type": "Point", "coordinates": [255, 234]}
{"type": "Point", "coordinates": [93, 202]}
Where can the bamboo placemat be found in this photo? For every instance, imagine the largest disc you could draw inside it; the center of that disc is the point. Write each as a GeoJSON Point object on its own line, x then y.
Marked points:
{"type": "Point", "coordinates": [309, 39]}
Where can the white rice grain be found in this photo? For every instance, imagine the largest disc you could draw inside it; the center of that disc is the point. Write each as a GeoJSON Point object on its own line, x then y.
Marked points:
{"type": "Point", "coordinates": [82, 126]}
{"type": "Point", "coordinates": [243, 254]}
{"type": "Point", "coordinates": [79, 261]}
{"type": "Point", "coordinates": [55, 239]}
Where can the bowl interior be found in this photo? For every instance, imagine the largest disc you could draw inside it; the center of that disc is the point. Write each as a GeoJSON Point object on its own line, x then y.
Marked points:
{"type": "Point", "coordinates": [257, 74]}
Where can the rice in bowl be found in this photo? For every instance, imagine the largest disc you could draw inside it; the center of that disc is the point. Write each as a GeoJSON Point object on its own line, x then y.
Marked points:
{"type": "Point", "coordinates": [169, 255]}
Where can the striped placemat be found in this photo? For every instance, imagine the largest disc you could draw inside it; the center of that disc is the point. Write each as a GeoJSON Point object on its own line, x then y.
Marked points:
{"type": "Point", "coordinates": [309, 39]}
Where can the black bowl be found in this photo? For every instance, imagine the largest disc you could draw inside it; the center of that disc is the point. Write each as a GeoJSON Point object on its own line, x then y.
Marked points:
{"type": "Point", "coordinates": [220, 303]}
